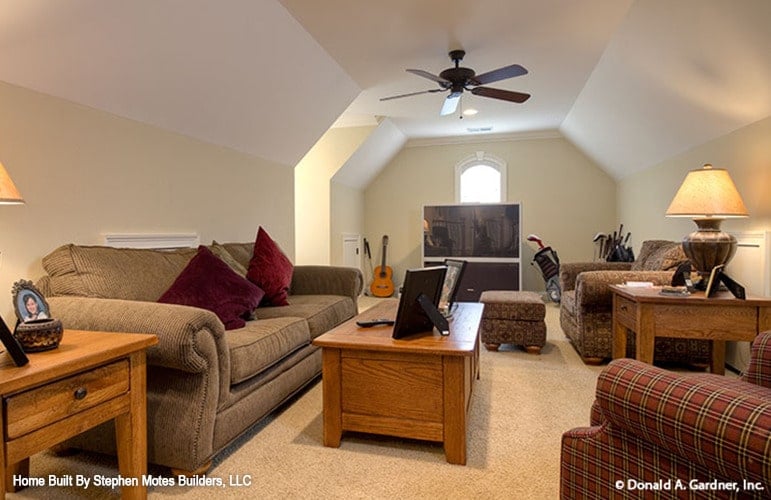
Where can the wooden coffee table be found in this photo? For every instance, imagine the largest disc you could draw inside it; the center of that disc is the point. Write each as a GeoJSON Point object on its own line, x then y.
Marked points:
{"type": "Point", "coordinates": [418, 387]}
{"type": "Point", "coordinates": [92, 377]}
{"type": "Point", "coordinates": [649, 314]}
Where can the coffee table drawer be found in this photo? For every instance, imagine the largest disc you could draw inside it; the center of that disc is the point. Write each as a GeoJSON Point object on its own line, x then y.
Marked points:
{"type": "Point", "coordinates": [36, 408]}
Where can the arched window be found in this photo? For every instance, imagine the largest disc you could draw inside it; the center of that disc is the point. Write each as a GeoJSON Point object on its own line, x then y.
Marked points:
{"type": "Point", "coordinates": [480, 178]}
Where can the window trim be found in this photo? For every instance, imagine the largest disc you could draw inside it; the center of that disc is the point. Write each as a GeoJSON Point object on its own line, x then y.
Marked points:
{"type": "Point", "coordinates": [481, 158]}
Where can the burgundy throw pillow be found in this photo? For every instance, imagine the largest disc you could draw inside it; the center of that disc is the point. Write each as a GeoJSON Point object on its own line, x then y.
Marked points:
{"type": "Point", "coordinates": [207, 282]}
{"type": "Point", "coordinates": [270, 270]}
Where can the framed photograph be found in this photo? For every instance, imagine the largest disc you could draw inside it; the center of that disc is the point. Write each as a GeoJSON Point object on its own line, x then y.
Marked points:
{"type": "Point", "coordinates": [12, 345]}
{"type": "Point", "coordinates": [714, 281]}
{"type": "Point", "coordinates": [29, 303]}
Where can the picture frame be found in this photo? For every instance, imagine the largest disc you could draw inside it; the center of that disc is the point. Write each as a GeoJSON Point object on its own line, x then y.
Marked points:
{"type": "Point", "coordinates": [714, 281]}
{"type": "Point", "coordinates": [12, 346]}
{"type": "Point", "coordinates": [28, 303]}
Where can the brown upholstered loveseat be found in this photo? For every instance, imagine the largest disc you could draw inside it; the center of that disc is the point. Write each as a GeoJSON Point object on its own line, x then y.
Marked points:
{"type": "Point", "coordinates": [586, 305]}
{"type": "Point", "coordinates": [205, 385]}
{"type": "Point", "coordinates": [659, 434]}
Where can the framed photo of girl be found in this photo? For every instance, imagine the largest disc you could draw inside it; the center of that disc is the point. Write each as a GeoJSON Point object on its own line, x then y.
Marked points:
{"type": "Point", "coordinates": [29, 303]}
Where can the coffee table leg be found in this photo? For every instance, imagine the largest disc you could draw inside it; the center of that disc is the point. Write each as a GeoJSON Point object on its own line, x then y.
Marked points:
{"type": "Point", "coordinates": [331, 382]}
{"type": "Point", "coordinates": [454, 410]}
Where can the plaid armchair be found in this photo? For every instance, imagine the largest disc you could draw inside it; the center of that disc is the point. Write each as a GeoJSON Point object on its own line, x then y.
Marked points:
{"type": "Point", "coordinates": [659, 434]}
{"type": "Point", "coordinates": [586, 305]}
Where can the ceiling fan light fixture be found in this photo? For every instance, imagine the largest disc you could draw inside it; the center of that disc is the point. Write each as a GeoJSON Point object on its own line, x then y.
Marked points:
{"type": "Point", "coordinates": [459, 79]}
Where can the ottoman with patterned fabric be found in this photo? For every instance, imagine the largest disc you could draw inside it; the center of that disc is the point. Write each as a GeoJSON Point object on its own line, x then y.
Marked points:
{"type": "Point", "coordinates": [513, 318]}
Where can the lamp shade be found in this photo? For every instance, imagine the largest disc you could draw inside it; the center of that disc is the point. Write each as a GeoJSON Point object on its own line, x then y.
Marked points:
{"type": "Point", "coordinates": [9, 195]}
{"type": "Point", "coordinates": [706, 193]}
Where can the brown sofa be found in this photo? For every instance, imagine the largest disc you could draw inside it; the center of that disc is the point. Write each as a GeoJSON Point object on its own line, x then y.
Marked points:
{"type": "Point", "coordinates": [205, 385]}
{"type": "Point", "coordinates": [586, 305]}
{"type": "Point", "coordinates": [660, 434]}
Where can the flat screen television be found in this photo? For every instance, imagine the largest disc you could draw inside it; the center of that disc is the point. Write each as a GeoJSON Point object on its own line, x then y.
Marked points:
{"type": "Point", "coordinates": [471, 230]}
{"type": "Point", "coordinates": [420, 285]}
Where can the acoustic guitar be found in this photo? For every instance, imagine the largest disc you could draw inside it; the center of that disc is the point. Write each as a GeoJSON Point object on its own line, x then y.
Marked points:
{"type": "Point", "coordinates": [382, 284]}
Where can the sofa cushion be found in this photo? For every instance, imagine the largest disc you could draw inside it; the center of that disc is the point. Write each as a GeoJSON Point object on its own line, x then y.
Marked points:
{"type": "Point", "coordinates": [114, 273]}
{"type": "Point", "coordinates": [323, 312]}
{"type": "Point", "coordinates": [209, 283]}
{"type": "Point", "coordinates": [263, 343]}
{"type": "Point", "coordinates": [242, 252]}
{"type": "Point", "coordinates": [222, 252]}
{"type": "Point", "coordinates": [270, 269]}
{"type": "Point", "coordinates": [659, 255]}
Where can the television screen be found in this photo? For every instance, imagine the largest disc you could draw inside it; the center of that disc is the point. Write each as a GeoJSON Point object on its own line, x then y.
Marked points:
{"type": "Point", "coordinates": [478, 230]}
{"type": "Point", "coordinates": [411, 316]}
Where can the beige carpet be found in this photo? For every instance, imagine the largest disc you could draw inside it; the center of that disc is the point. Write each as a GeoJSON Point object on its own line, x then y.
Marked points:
{"type": "Point", "coordinates": [520, 407]}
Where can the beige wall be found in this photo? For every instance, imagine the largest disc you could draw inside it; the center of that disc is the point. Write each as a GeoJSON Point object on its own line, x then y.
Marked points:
{"type": "Point", "coordinates": [84, 173]}
{"type": "Point", "coordinates": [347, 218]}
{"type": "Point", "coordinates": [313, 176]}
{"type": "Point", "coordinates": [566, 199]}
{"type": "Point", "coordinates": [745, 153]}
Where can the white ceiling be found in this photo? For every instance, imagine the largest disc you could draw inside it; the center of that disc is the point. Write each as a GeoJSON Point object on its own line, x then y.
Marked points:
{"type": "Point", "coordinates": [631, 83]}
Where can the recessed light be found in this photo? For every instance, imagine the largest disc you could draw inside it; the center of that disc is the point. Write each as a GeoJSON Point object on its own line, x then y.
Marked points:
{"type": "Point", "coordinates": [470, 112]}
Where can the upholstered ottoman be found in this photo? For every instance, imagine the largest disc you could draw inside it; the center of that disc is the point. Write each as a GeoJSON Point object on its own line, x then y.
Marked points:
{"type": "Point", "coordinates": [513, 318]}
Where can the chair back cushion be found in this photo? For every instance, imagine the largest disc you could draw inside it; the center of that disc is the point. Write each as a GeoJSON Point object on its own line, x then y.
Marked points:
{"type": "Point", "coordinates": [659, 255]}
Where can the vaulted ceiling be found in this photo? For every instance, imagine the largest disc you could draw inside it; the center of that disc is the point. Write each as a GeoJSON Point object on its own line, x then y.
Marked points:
{"type": "Point", "coordinates": [630, 82]}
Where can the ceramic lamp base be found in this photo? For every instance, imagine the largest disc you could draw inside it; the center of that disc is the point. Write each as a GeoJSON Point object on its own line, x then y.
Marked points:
{"type": "Point", "coordinates": [709, 246]}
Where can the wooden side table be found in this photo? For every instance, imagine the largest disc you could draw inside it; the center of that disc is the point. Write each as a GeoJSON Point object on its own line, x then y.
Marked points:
{"type": "Point", "coordinates": [92, 377]}
{"type": "Point", "coordinates": [649, 314]}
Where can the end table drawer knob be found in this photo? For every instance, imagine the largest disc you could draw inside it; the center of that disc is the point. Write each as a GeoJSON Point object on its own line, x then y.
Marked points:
{"type": "Point", "coordinates": [80, 393]}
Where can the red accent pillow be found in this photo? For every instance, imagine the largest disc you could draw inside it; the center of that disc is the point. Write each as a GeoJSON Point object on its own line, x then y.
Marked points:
{"type": "Point", "coordinates": [270, 270]}
{"type": "Point", "coordinates": [207, 282]}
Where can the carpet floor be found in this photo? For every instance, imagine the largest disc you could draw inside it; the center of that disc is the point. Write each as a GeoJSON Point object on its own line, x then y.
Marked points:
{"type": "Point", "coordinates": [520, 407]}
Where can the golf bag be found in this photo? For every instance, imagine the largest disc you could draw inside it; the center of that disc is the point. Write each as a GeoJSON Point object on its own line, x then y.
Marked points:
{"type": "Point", "coordinates": [549, 263]}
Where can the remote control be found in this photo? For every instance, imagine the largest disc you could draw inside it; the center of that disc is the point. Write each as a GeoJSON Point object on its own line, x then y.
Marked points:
{"type": "Point", "coordinates": [375, 322]}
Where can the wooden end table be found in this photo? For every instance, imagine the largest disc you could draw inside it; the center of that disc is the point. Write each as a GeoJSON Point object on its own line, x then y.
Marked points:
{"type": "Point", "coordinates": [719, 318]}
{"type": "Point", "coordinates": [92, 377]}
{"type": "Point", "coordinates": [418, 387]}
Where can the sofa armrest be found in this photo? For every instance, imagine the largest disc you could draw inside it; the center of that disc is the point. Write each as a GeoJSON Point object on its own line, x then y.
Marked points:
{"type": "Point", "coordinates": [570, 271]}
{"type": "Point", "coordinates": [592, 287]}
{"type": "Point", "coordinates": [189, 339]}
{"type": "Point", "coordinates": [759, 368]}
{"type": "Point", "coordinates": [327, 280]}
{"type": "Point", "coordinates": [723, 424]}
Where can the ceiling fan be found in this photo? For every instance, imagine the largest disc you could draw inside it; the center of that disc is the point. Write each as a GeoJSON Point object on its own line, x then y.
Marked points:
{"type": "Point", "coordinates": [458, 79]}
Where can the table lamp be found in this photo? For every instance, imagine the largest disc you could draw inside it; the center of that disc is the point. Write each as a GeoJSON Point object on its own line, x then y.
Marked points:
{"type": "Point", "coordinates": [708, 195]}
{"type": "Point", "coordinates": [9, 195]}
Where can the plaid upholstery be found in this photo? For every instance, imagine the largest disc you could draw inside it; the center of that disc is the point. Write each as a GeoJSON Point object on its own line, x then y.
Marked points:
{"type": "Point", "coordinates": [659, 427]}
{"type": "Point", "coordinates": [759, 368]}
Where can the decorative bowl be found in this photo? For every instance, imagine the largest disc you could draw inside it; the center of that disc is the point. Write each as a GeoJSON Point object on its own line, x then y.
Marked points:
{"type": "Point", "coordinates": [39, 335]}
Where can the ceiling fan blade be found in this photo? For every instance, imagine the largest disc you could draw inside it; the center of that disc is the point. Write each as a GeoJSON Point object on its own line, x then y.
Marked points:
{"type": "Point", "coordinates": [410, 94]}
{"type": "Point", "coordinates": [498, 74]}
{"type": "Point", "coordinates": [504, 95]}
{"type": "Point", "coordinates": [425, 74]}
{"type": "Point", "coordinates": [450, 104]}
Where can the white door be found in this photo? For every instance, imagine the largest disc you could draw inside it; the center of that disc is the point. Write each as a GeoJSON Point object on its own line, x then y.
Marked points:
{"type": "Point", "coordinates": [351, 251]}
